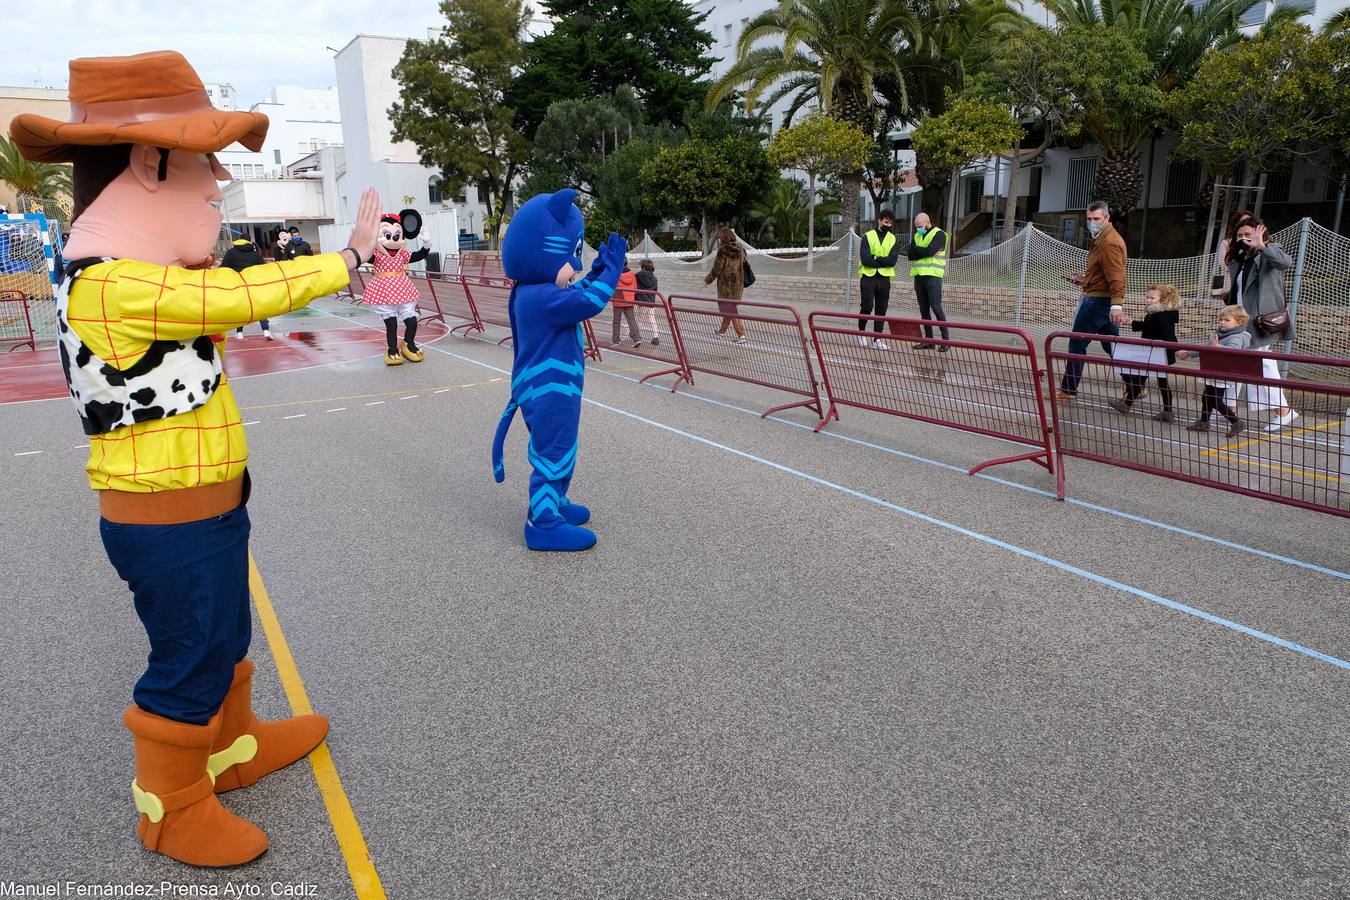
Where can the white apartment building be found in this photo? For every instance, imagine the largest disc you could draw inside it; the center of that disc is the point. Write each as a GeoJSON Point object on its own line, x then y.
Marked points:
{"type": "Point", "coordinates": [373, 158]}
{"type": "Point", "coordinates": [301, 121]}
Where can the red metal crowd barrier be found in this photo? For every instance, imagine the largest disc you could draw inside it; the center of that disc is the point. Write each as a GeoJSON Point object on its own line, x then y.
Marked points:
{"type": "Point", "coordinates": [775, 353]}
{"type": "Point", "coordinates": [490, 296]}
{"type": "Point", "coordinates": [658, 336]}
{"type": "Point", "coordinates": [1237, 394]}
{"type": "Point", "coordinates": [480, 263]}
{"type": "Point", "coordinates": [16, 325]}
{"type": "Point", "coordinates": [985, 379]}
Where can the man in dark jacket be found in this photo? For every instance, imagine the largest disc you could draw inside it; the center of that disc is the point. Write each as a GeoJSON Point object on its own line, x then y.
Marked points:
{"type": "Point", "coordinates": [299, 246]}
{"type": "Point", "coordinates": [241, 255]}
{"type": "Point", "coordinates": [928, 265]}
{"type": "Point", "coordinates": [878, 254]}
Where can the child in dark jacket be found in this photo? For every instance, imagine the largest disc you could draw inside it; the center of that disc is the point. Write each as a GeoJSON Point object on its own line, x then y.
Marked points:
{"type": "Point", "coordinates": [241, 255]}
{"type": "Point", "coordinates": [646, 280]}
{"type": "Point", "coordinates": [1161, 316]}
{"type": "Point", "coordinates": [1232, 332]}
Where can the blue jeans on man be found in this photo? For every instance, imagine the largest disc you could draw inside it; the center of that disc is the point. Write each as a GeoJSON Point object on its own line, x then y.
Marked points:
{"type": "Point", "coordinates": [1093, 317]}
{"type": "Point", "coordinates": [189, 583]}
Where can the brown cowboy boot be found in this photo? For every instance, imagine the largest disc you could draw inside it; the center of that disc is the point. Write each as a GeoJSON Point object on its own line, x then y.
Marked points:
{"type": "Point", "coordinates": [246, 748]}
{"type": "Point", "coordinates": [180, 815]}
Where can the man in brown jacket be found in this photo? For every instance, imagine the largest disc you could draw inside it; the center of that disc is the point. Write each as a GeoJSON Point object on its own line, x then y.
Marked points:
{"type": "Point", "coordinates": [1100, 311]}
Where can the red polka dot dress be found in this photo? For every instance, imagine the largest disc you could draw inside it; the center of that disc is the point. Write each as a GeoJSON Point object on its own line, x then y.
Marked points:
{"type": "Point", "coordinates": [390, 284]}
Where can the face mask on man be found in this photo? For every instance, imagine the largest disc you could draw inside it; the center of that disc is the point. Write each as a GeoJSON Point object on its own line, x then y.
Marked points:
{"type": "Point", "coordinates": [884, 228]}
{"type": "Point", "coordinates": [1095, 228]}
{"type": "Point", "coordinates": [922, 229]}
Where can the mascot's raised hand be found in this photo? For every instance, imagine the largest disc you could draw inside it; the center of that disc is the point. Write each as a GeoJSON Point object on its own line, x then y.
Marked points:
{"type": "Point", "coordinates": [542, 254]}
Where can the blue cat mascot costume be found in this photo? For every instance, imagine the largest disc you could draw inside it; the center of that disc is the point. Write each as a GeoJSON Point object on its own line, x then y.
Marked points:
{"type": "Point", "coordinates": [542, 253]}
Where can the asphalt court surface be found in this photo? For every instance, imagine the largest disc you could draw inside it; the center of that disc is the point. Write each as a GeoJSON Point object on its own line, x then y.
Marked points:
{"type": "Point", "coordinates": [795, 665]}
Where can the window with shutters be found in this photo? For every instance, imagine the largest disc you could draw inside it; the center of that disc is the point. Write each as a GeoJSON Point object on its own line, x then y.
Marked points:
{"type": "Point", "coordinates": [1082, 176]}
{"type": "Point", "coordinates": [1185, 178]}
{"type": "Point", "coordinates": [434, 190]}
{"type": "Point", "coordinates": [1277, 187]}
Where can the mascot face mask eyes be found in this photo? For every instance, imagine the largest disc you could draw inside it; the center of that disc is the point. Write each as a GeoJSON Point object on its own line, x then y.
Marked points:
{"type": "Point", "coordinates": [391, 237]}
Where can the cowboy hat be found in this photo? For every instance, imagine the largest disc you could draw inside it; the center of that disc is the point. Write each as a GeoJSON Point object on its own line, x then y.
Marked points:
{"type": "Point", "coordinates": [154, 99]}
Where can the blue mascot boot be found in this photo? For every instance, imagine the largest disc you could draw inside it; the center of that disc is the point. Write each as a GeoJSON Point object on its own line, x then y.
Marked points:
{"type": "Point", "coordinates": [562, 537]}
{"type": "Point", "coordinates": [575, 513]}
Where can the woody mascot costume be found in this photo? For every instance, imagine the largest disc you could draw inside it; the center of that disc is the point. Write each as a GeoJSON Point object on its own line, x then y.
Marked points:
{"type": "Point", "coordinates": [142, 320]}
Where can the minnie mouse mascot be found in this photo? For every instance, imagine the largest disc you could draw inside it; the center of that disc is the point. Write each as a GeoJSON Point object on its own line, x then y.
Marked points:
{"type": "Point", "coordinates": [391, 293]}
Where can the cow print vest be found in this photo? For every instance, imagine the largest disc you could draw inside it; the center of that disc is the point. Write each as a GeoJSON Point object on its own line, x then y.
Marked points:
{"type": "Point", "coordinates": [170, 379]}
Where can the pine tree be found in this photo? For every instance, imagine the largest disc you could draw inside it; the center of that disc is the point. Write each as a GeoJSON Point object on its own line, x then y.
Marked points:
{"type": "Point", "coordinates": [657, 46]}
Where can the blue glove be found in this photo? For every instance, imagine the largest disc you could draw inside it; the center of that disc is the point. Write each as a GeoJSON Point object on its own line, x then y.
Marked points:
{"type": "Point", "coordinates": [612, 253]}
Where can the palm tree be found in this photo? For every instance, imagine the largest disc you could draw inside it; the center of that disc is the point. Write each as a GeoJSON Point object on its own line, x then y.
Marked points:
{"type": "Point", "coordinates": [1174, 35]}
{"type": "Point", "coordinates": [826, 53]}
{"type": "Point", "coordinates": [41, 180]}
{"type": "Point", "coordinates": [959, 36]}
{"type": "Point", "coordinates": [1338, 23]}
{"type": "Point", "coordinates": [786, 210]}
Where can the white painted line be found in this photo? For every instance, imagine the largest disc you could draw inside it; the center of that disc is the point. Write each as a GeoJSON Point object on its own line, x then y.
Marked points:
{"type": "Point", "coordinates": [443, 390]}
{"type": "Point", "coordinates": [410, 397]}
{"type": "Point", "coordinates": [296, 416]}
{"type": "Point", "coordinates": [375, 403]}
{"type": "Point", "coordinates": [81, 447]}
{"type": "Point", "coordinates": [337, 409]}
{"type": "Point", "coordinates": [254, 422]}
{"type": "Point", "coordinates": [29, 453]}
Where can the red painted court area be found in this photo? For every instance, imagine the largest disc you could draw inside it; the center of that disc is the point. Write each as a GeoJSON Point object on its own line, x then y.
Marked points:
{"type": "Point", "coordinates": [37, 376]}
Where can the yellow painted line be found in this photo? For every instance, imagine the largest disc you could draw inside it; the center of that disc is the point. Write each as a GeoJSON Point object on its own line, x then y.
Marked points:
{"type": "Point", "coordinates": [1257, 439]}
{"type": "Point", "coordinates": [364, 877]}
{"type": "Point", "coordinates": [444, 387]}
{"type": "Point", "coordinates": [1288, 470]}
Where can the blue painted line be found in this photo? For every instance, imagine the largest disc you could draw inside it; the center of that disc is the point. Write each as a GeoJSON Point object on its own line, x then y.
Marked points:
{"type": "Point", "coordinates": [1142, 520]}
{"type": "Point", "coordinates": [991, 541]}
{"type": "Point", "coordinates": [965, 532]}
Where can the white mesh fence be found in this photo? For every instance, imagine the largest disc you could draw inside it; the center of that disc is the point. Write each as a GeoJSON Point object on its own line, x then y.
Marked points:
{"type": "Point", "coordinates": [29, 245]}
{"type": "Point", "coordinates": [1020, 281]}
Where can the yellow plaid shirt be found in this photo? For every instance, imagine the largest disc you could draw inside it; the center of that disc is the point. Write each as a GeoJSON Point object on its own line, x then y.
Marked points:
{"type": "Point", "coordinates": [118, 308]}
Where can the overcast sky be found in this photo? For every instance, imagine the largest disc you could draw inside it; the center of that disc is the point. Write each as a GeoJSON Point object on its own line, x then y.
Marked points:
{"type": "Point", "coordinates": [253, 47]}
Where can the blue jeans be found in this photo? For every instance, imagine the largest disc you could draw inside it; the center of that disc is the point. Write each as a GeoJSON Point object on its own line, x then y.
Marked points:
{"type": "Point", "coordinates": [1093, 317]}
{"type": "Point", "coordinates": [189, 583]}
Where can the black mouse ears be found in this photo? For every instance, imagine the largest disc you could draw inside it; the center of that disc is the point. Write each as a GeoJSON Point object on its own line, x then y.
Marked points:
{"type": "Point", "coordinates": [411, 220]}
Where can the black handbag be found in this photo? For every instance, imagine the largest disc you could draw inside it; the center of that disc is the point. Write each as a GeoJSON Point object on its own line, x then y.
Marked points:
{"type": "Point", "coordinates": [1273, 323]}
{"type": "Point", "coordinates": [747, 274]}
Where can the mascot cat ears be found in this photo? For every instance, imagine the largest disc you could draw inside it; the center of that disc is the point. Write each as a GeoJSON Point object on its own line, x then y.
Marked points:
{"type": "Point", "coordinates": [544, 235]}
{"type": "Point", "coordinates": [410, 220]}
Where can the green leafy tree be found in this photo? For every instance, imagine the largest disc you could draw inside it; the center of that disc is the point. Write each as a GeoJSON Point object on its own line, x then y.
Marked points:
{"type": "Point", "coordinates": [40, 180]}
{"type": "Point", "coordinates": [825, 53]}
{"type": "Point", "coordinates": [451, 91]}
{"type": "Point", "coordinates": [1285, 97]}
{"type": "Point", "coordinates": [1033, 80]}
{"type": "Point", "coordinates": [1115, 85]}
{"type": "Point", "coordinates": [657, 46]}
{"type": "Point", "coordinates": [577, 135]}
{"type": "Point", "coordinates": [818, 143]}
{"type": "Point", "coordinates": [707, 178]}
{"type": "Point", "coordinates": [1172, 35]}
{"type": "Point", "coordinates": [783, 213]}
{"type": "Point", "coordinates": [619, 187]}
{"type": "Point", "coordinates": [970, 129]}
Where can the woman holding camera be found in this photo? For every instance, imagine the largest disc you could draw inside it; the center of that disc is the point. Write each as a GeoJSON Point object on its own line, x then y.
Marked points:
{"type": "Point", "coordinates": [1256, 272]}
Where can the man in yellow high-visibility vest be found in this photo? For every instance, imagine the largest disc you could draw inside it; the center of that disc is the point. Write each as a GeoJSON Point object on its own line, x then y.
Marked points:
{"type": "Point", "coordinates": [878, 254]}
{"type": "Point", "coordinates": [928, 258]}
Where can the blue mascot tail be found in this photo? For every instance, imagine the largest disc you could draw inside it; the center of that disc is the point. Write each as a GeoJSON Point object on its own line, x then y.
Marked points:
{"type": "Point", "coordinates": [499, 439]}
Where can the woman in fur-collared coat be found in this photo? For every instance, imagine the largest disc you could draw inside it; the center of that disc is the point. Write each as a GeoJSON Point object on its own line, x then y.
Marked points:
{"type": "Point", "coordinates": [729, 272]}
